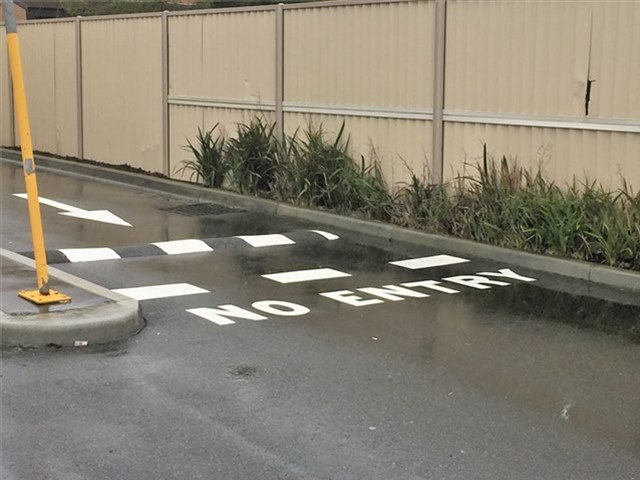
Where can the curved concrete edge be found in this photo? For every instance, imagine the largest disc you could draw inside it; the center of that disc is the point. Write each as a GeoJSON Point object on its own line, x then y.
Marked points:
{"type": "Point", "coordinates": [368, 232]}
{"type": "Point", "coordinates": [106, 323]}
{"type": "Point", "coordinates": [116, 319]}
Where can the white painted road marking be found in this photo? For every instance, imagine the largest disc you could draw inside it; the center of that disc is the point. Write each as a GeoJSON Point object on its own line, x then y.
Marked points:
{"type": "Point", "coordinates": [51, 203]}
{"type": "Point", "coordinates": [266, 240]}
{"type": "Point", "coordinates": [348, 297]}
{"type": "Point", "coordinates": [179, 247]}
{"type": "Point", "coordinates": [475, 281]}
{"type": "Point", "coordinates": [222, 314]}
{"type": "Point", "coordinates": [392, 292]}
{"type": "Point", "coordinates": [89, 254]}
{"type": "Point", "coordinates": [429, 262]}
{"type": "Point", "coordinates": [218, 315]}
{"type": "Point", "coordinates": [306, 275]}
{"type": "Point", "coordinates": [508, 273]}
{"type": "Point", "coordinates": [327, 235]}
{"type": "Point", "coordinates": [160, 291]}
{"type": "Point", "coordinates": [104, 216]}
{"type": "Point", "coordinates": [273, 307]}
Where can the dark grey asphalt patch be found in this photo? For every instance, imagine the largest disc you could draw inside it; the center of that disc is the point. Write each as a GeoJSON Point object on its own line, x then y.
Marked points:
{"type": "Point", "coordinates": [243, 372]}
{"type": "Point", "coordinates": [202, 210]}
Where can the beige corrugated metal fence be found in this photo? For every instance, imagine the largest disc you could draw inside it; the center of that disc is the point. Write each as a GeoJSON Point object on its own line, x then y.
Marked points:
{"type": "Point", "coordinates": [517, 79]}
{"type": "Point", "coordinates": [553, 84]}
{"type": "Point", "coordinates": [221, 70]}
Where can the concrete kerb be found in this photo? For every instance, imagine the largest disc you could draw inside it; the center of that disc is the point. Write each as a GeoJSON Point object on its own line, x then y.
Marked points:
{"type": "Point", "coordinates": [368, 232]}
{"type": "Point", "coordinates": [117, 318]}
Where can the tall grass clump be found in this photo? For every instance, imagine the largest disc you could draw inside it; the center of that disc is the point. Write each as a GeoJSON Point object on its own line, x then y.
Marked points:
{"type": "Point", "coordinates": [322, 173]}
{"type": "Point", "coordinates": [253, 157]}
{"type": "Point", "coordinates": [511, 207]}
{"type": "Point", "coordinates": [209, 165]}
{"type": "Point", "coordinates": [423, 205]}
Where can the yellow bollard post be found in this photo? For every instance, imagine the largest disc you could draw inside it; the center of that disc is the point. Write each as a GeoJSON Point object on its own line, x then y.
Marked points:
{"type": "Point", "coordinates": [43, 294]}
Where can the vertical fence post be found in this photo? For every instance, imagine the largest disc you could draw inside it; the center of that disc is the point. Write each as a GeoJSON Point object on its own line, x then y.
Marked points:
{"type": "Point", "coordinates": [79, 101]}
{"type": "Point", "coordinates": [279, 98]}
{"type": "Point", "coordinates": [438, 92]}
{"type": "Point", "coordinates": [166, 166]}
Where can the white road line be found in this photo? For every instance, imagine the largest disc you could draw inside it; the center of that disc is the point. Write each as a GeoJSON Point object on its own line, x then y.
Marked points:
{"type": "Point", "coordinates": [429, 262]}
{"type": "Point", "coordinates": [179, 247]}
{"type": "Point", "coordinates": [52, 203]}
{"type": "Point", "coordinates": [266, 240]}
{"type": "Point", "coordinates": [89, 254]}
{"type": "Point", "coordinates": [306, 275]}
{"type": "Point", "coordinates": [327, 235]}
{"type": "Point", "coordinates": [160, 291]}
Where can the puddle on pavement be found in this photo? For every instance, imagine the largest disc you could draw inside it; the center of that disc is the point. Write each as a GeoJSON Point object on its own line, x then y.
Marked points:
{"type": "Point", "coordinates": [537, 303]}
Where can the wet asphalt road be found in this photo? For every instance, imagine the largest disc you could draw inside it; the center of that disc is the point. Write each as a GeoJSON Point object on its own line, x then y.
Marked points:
{"type": "Point", "coordinates": [517, 381]}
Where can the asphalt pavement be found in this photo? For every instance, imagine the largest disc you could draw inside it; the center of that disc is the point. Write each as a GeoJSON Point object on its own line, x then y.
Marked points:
{"type": "Point", "coordinates": [279, 349]}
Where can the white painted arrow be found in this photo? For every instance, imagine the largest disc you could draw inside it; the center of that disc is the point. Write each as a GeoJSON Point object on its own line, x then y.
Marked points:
{"type": "Point", "coordinates": [104, 216]}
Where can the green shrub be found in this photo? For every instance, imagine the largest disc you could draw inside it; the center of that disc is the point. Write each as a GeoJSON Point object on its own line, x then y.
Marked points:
{"type": "Point", "coordinates": [324, 174]}
{"type": "Point", "coordinates": [209, 165]}
{"type": "Point", "coordinates": [511, 207]}
{"type": "Point", "coordinates": [253, 157]}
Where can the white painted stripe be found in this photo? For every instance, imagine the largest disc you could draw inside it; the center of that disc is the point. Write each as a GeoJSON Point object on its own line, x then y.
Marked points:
{"type": "Point", "coordinates": [306, 275]}
{"type": "Point", "coordinates": [178, 247]}
{"type": "Point", "coordinates": [266, 240]}
{"type": "Point", "coordinates": [429, 262]}
{"type": "Point", "coordinates": [51, 203]}
{"type": "Point", "coordinates": [89, 254]}
{"type": "Point", "coordinates": [160, 291]}
{"type": "Point", "coordinates": [327, 235]}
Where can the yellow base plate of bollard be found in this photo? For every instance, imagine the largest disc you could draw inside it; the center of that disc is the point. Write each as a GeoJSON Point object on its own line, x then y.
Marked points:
{"type": "Point", "coordinates": [38, 298]}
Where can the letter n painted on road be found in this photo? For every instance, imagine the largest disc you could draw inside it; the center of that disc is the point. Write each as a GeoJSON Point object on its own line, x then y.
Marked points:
{"type": "Point", "coordinates": [219, 315]}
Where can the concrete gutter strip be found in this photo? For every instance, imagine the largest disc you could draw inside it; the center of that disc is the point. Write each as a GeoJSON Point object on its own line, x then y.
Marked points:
{"type": "Point", "coordinates": [116, 319]}
{"type": "Point", "coordinates": [382, 234]}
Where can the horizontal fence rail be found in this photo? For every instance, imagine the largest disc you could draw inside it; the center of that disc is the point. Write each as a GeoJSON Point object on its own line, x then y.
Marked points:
{"type": "Point", "coordinates": [424, 84]}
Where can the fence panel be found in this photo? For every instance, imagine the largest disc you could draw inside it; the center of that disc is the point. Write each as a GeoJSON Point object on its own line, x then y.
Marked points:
{"type": "Point", "coordinates": [515, 69]}
{"type": "Point", "coordinates": [49, 65]}
{"type": "Point", "coordinates": [615, 61]}
{"type": "Point", "coordinates": [377, 55]}
{"type": "Point", "coordinates": [517, 57]}
{"type": "Point", "coordinates": [224, 56]}
{"type": "Point", "coordinates": [122, 91]}
{"type": "Point", "coordinates": [222, 71]}
{"type": "Point", "coordinates": [564, 154]}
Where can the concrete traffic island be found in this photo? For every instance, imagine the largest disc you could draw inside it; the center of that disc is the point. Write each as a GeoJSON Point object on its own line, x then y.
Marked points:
{"type": "Point", "coordinates": [95, 316]}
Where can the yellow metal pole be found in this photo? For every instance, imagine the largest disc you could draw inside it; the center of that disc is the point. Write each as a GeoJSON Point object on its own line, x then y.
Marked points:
{"type": "Point", "coordinates": [43, 294]}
